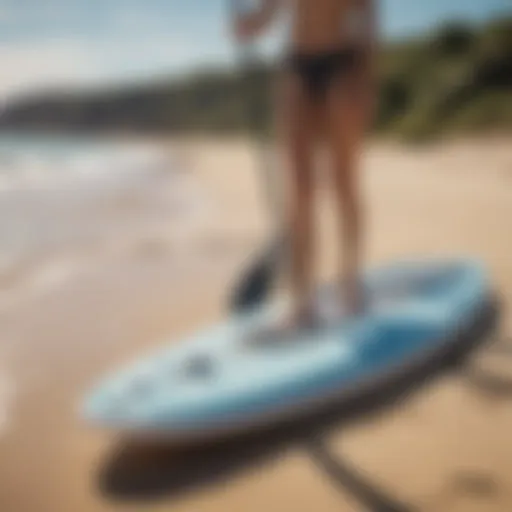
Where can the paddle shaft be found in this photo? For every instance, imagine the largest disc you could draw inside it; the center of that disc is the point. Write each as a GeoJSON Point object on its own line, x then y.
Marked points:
{"type": "Point", "coordinates": [249, 61]}
{"type": "Point", "coordinates": [257, 281]}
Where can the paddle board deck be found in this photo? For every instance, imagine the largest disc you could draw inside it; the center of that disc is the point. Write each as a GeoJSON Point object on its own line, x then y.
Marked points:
{"type": "Point", "coordinates": [219, 381]}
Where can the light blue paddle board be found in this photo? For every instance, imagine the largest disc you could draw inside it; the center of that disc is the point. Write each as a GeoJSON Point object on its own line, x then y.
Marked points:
{"type": "Point", "coordinates": [220, 381]}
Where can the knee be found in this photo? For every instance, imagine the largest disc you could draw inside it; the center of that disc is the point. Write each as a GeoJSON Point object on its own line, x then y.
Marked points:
{"type": "Point", "coordinates": [351, 206]}
{"type": "Point", "coordinates": [350, 203]}
{"type": "Point", "coordinates": [346, 196]}
{"type": "Point", "coordinates": [301, 198]}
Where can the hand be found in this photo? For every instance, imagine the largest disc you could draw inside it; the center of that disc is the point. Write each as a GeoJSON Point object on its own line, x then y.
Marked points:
{"type": "Point", "coordinates": [245, 28]}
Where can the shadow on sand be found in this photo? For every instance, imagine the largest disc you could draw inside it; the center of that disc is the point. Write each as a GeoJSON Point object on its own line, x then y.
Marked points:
{"type": "Point", "coordinates": [137, 472]}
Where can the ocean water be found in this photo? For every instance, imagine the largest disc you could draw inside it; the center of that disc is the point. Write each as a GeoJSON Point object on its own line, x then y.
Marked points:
{"type": "Point", "coordinates": [68, 202]}
{"type": "Point", "coordinates": [27, 159]}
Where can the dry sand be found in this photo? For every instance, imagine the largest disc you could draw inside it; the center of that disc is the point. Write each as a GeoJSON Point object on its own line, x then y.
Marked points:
{"type": "Point", "coordinates": [446, 449]}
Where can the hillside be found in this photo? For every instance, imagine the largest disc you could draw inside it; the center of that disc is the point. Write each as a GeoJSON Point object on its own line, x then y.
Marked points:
{"type": "Point", "coordinates": [457, 79]}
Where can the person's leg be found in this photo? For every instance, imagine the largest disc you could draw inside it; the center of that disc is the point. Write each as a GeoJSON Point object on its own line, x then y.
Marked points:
{"type": "Point", "coordinates": [298, 131]}
{"type": "Point", "coordinates": [347, 119]}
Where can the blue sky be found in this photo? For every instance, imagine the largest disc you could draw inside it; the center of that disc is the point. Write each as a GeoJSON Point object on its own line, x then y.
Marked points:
{"type": "Point", "coordinates": [47, 43]}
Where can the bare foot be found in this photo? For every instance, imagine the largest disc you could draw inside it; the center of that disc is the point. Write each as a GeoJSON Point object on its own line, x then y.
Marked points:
{"type": "Point", "coordinates": [305, 319]}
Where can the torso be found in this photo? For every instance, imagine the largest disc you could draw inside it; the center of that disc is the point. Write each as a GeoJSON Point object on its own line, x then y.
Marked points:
{"type": "Point", "coordinates": [319, 25]}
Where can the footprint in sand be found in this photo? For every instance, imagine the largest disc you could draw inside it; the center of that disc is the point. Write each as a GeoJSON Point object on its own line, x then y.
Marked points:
{"type": "Point", "coordinates": [476, 484]}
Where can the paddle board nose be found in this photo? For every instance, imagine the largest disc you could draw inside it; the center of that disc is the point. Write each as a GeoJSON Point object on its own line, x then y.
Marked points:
{"type": "Point", "coordinates": [119, 400]}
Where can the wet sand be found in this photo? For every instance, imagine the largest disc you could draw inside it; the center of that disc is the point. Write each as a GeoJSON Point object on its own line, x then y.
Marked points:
{"type": "Point", "coordinates": [445, 449]}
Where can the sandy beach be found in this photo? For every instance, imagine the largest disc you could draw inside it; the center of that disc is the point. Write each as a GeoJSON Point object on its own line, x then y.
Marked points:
{"type": "Point", "coordinates": [155, 260]}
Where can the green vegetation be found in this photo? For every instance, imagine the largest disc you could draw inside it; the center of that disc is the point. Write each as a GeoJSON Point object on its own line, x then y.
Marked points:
{"type": "Point", "coordinates": [458, 79]}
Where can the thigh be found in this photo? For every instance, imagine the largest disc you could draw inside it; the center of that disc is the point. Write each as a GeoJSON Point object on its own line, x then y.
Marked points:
{"type": "Point", "coordinates": [348, 115]}
{"type": "Point", "coordinates": [297, 129]}
{"type": "Point", "coordinates": [297, 122]}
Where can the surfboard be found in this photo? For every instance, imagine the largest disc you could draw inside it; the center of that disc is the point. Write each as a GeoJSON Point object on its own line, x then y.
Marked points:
{"type": "Point", "coordinates": [219, 381]}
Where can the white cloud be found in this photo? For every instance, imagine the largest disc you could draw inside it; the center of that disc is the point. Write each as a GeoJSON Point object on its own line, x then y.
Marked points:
{"type": "Point", "coordinates": [27, 67]}
{"type": "Point", "coordinates": [56, 43]}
